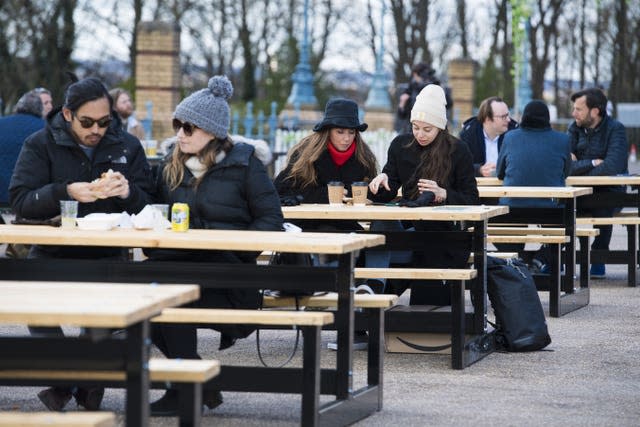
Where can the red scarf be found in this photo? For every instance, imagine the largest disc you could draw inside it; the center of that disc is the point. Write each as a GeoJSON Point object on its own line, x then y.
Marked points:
{"type": "Point", "coordinates": [341, 157]}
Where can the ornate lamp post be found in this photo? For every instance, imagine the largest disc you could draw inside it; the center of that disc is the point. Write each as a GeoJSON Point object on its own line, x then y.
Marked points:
{"type": "Point", "coordinates": [378, 98]}
{"type": "Point", "coordinates": [302, 90]}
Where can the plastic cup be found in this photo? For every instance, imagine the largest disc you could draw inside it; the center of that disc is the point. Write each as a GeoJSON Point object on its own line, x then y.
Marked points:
{"type": "Point", "coordinates": [163, 209]}
{"type": "Point", "coordinates": [151, 147]}
{"type": "Point", "coordinates": [68, 213]}
{"type": "Point", "coordinates": [359, 193]}
{"type": "Point", "coordinates": [336, 192]}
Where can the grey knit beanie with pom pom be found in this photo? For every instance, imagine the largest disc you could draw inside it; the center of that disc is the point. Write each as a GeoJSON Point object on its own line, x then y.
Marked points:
{"type": "Point", "coordinates": [208, 108]}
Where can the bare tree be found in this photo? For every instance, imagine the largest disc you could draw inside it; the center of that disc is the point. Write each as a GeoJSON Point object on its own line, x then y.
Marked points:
{"type": "Point", "coordinates": [544, 24]}
{"type": "Point", "coordinates": [410, 19]}
{"type": "Point", "coordinates": [36, 42]}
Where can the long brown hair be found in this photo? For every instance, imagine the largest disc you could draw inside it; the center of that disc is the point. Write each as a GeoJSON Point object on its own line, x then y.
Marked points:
{"type": "Point", "coordinates": [173, 172]}
{"type": "Point", "coordinates": [435, 161]}
{"type": "Point", "coordinates": [308, 150]}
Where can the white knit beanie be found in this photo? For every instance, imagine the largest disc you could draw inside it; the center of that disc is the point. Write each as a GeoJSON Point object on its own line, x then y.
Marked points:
{"type": "Point", "coordinates": [431, 107]}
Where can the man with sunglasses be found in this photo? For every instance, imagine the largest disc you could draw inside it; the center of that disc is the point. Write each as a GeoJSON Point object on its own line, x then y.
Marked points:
{"type": "Point", "coordinates": [484, 133]}
{"type": "Point", "coordinates": [81, 140]}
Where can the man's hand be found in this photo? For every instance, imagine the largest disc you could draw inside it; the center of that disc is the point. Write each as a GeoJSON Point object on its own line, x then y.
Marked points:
{"type": "Point", "coordinates": [597, 162]}
{"type": "Point", "coordinates": [488, 169]}
{"type": "Point", "coordinates": [573, 157]}
{"type": "Point", "coordinates": [112, 185]}
{"type": "Point", "coordinates": [381, 179]}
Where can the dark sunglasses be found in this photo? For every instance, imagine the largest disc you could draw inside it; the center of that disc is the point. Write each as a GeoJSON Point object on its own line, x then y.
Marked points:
{"type": "Point", "coordinates": [188, 128]}
{"type": "Point", "coordinates": [87, 122]}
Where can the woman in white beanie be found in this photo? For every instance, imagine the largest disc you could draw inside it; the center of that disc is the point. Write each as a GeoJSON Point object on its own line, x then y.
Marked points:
{"type": "Point", "coordinates": [432, 167]}
{"type": "Point", "coordinates": [226, 187]}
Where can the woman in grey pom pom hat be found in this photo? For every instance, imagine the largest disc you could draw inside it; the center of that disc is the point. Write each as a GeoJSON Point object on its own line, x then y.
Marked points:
{"type": "Point", "coordinates": [226, 187]}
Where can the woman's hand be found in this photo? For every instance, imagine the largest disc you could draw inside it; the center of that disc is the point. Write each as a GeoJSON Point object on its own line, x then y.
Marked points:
{"type": "Point", "coordinates": [429, 185]}
{"type": "Point", "coordinates": [381, 179]}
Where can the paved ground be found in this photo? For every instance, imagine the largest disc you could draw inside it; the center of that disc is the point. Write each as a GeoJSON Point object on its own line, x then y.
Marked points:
{"type": "Point", "coordinates": [590, 376]}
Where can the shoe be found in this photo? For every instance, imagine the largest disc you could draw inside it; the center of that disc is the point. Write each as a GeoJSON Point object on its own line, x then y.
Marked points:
{"type": "Point", "coordinates": [212, 398]}
{"type": "Point", "coordinates": [364, 290]}
{"type": "Point", "coordinates": [597, 271]}
{"type": "Point", "coordinates": [55, 398]}
{"type": "Point", "coordinates": [166, 406]}
{"type": "Point", "coordinates": [538, 267]}
{"type": "Point", "coordinates": [360, 342]}
{"type": "Point", "coordinates": [89, 398]}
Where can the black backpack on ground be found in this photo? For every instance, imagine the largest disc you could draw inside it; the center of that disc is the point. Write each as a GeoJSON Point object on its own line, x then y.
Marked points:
{"type": "Point", "coordinates": [520, 320]}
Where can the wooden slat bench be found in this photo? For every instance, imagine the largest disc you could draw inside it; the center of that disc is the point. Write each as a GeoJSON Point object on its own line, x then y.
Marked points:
{"type": "Point", "coordinates": [310, 323]}
{"type": "Point", "coordinates": [630, 255]}
{"type": "Point", "coordinates": [62, 419]}
{"type": "Point", "coordinates": [185, 375]}
{"type": "Point", "coordinates": [456, 279]}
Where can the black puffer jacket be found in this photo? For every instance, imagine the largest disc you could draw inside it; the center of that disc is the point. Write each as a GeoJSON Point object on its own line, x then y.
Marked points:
{"type": "Point", "coordinates": [235, 194]}
{"type": "Point", "coordinates": [51, 159]}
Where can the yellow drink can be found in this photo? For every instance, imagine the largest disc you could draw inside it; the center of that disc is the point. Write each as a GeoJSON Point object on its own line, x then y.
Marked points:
{"type": "Point", "coordinates": [180, 217]}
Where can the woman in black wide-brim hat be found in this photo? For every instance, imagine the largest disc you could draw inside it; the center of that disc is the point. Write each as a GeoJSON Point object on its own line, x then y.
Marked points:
{"type": "Point", "coordinates": [334, 151]}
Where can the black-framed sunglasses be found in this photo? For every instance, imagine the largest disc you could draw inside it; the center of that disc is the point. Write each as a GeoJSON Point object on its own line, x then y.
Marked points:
{"type": "Point", "coordinates": [187, 127]}
{"type": "Point", "coordinates": [87, 122]}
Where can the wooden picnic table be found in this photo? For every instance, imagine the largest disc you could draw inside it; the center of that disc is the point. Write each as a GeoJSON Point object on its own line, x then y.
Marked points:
{"type": "Point", "coordinates": [474, 325]}
{"type": "Point", "coordinates": [90, 305]}
{"type": "Point", "coordinates": [350, 404]}
{"type": "Point", "coordinates": [564, 216]}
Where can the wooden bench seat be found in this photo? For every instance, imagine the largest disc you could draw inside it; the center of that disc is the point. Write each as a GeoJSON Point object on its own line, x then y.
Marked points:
{"type": "Point", "coordinates": [528, 238]}
{"type": "Point", "coordinates": [614, 220]}
{"type": "Point", "coordinates": [416, 273]}
{"type": "Point", "coordinates": [330, 300]}
{"type": "Point", "coordinates": [309, 322]}
{"type": "Point", "coordinates": [63, 419]}
{"type": "Point", "coordinates": [185, 375]}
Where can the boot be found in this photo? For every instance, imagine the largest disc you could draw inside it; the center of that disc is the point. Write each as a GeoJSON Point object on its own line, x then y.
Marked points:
{"type": "Point", "coordinates": [89, 398]}
{"type": "Point", "coordinates": [55, 398]}
{"type": "Point", "coordinates": [167, 405]}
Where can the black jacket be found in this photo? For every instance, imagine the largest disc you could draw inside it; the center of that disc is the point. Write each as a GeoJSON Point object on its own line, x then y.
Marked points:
{"type": "Point", "coordinates": [326, 171]}
{"type": "Point", "coordinates": [235, 194]}
{"type": "Point", "coordinates": [403, 158]}
{"type": "Point", "coordinates": [473, 135]}
{"type": "Point", "coordinates": [51, 159]}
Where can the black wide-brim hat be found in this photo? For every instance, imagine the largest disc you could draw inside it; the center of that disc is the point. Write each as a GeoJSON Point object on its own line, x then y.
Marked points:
{"type": "Point", "coordinates": [341, 113]}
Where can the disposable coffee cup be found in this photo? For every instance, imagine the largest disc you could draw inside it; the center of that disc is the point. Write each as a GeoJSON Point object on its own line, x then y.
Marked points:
{"type": "Point", "coordinates": [359, 193]}
{"type": "Point", "coordinates": [68, 213]}
{"type": "Point", "coordinates": [336, 192]}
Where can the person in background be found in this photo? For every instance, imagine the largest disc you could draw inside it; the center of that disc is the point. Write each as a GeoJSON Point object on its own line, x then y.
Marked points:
{"type": "Point", "coordinates": [226, 187]}
{"type": "Point", "coordinates": [81, 141]}
{"type": "Point", "coordinates": [598, 147]}
{"type": "Point", "coordinates": [335, 151]}
{"type": "Point", "coordinates": [124, 107]}
{"type": "Point", "coordinates": [484, 134]}
{"type": "Point", "coordinates": [421, 75]}
{"type": "Point", "coordinates": [534, 155]}
{"type": "Point", "coordinates": [14, 130]}
{"type": "Point", "coordinates": [47, 100]}
{"type": "Point", "coordinates": [431, 167]}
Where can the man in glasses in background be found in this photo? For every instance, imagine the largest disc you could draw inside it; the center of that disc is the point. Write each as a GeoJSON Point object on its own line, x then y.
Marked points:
{"type": "Point", "coordinates": [483, 134]}
{"type": "Point", "coordinates": [82, 154]}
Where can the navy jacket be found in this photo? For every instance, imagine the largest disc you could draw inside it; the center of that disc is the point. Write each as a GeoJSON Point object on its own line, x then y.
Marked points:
{"type": "Point", "coordinates": [473, 135]}
{"type": "Point", "coordinates": [13, 131]}
{"type": "Point", "coordinates": [51, 159]}
{"type": "Point", "coordinates": [533, 157]}
{"type": "Point", "coordinates": [608, 141]}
